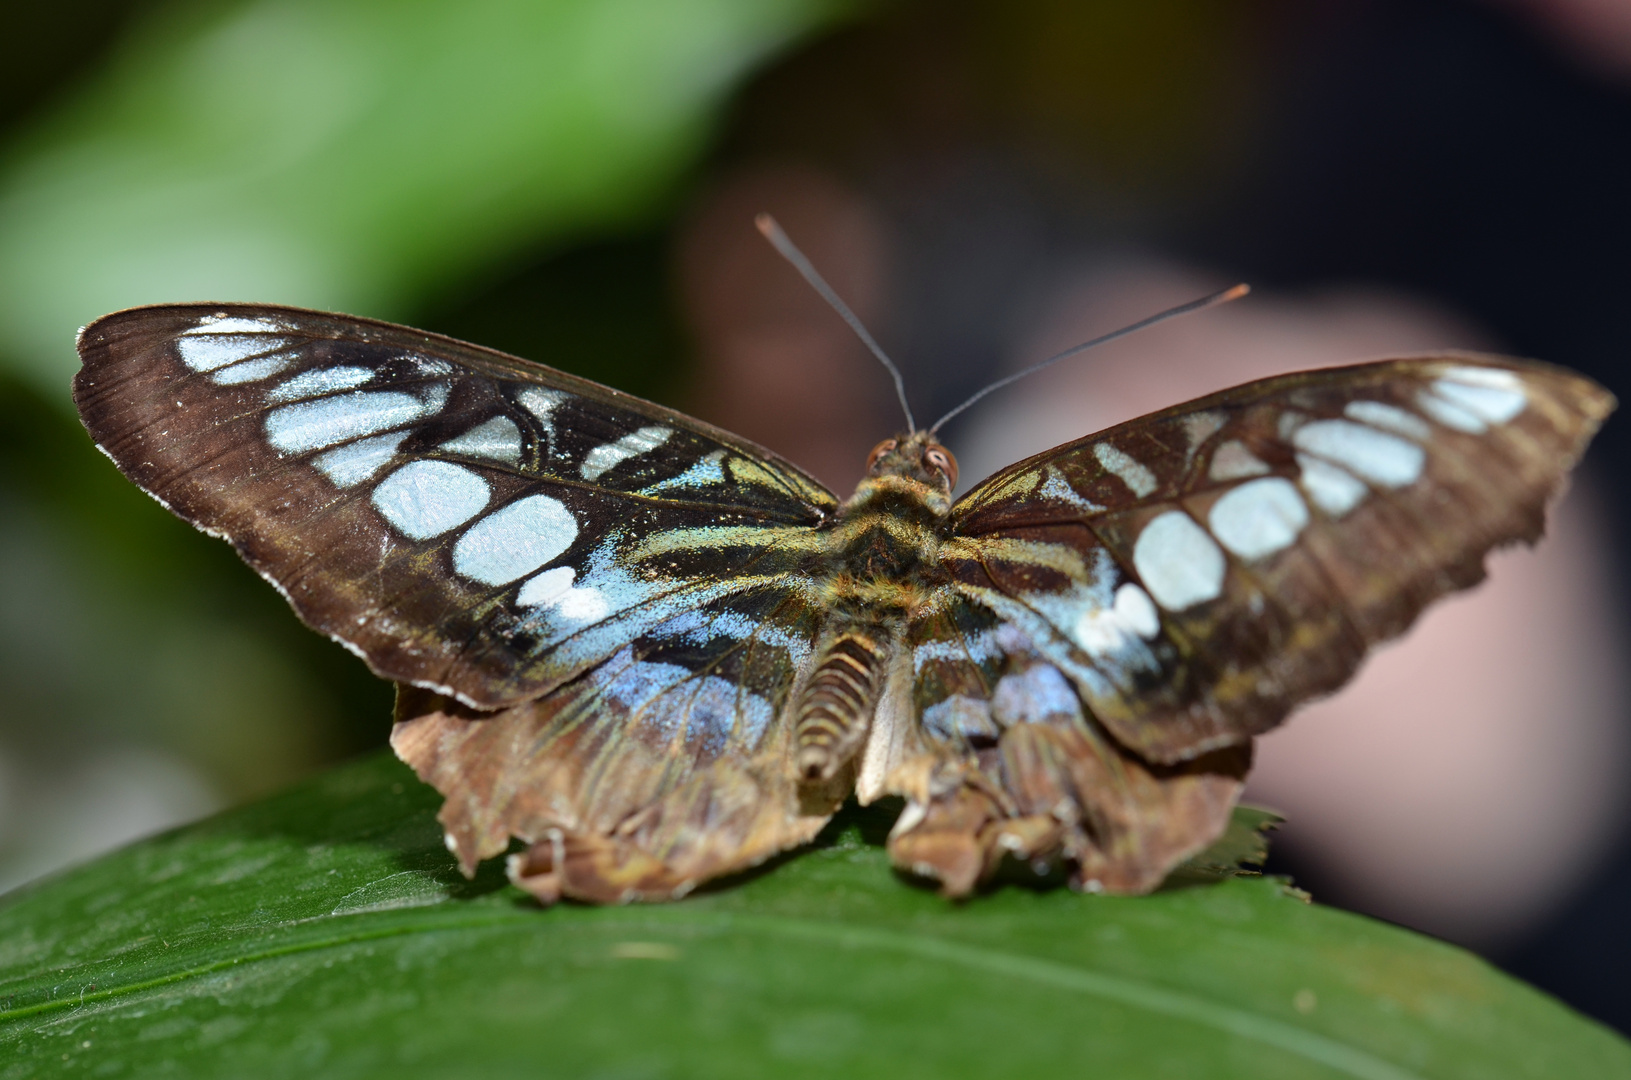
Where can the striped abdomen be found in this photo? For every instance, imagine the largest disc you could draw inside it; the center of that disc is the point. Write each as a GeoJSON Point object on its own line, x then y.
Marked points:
{"type": "Point", "coordinates": [836, 708]}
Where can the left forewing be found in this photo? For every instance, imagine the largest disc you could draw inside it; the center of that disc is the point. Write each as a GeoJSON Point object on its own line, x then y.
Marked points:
{"type": "Point", "coordinates": [466, 521]}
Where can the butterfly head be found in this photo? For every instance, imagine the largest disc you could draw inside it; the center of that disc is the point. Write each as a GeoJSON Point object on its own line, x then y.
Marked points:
{"type": "Point", "coordinates": [913, 466]}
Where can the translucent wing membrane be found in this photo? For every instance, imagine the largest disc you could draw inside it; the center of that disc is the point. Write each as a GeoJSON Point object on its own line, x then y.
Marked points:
{"type": "Point", "coordinates": [465, 520]}
{"type": "Point", "coordinates": [1126, 611]}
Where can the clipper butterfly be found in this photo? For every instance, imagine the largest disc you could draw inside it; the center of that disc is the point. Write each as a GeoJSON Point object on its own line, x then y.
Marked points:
{"type": "Point", "coordinates": [657, 653]}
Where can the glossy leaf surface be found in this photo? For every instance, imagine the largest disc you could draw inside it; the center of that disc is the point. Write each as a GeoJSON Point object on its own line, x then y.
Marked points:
{"type": "Point", "coordinates": [325, 932]}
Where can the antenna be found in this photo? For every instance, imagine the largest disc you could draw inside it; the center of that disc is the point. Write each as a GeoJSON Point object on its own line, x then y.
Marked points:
{"type": "Point", "coordinates": [1234, 292]}
{"type": "Point", "coordinates": [789, 251]}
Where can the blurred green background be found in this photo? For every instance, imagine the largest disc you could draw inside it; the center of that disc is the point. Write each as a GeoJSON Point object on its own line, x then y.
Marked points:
{"type": "Point", "coordinates": [499, 169]}
{"type": "Point", "coordinates": [563, 180]}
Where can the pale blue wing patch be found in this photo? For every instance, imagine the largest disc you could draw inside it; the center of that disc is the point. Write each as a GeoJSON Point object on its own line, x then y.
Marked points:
{"type": "Point", "coordinates": [1259, 518]}
{"type": "Point", "coordinates": [351, 464]}
{"type": "Point", "coordinates": [608, 456]}
{"type": "Point", "coordinates": [497, 439]}
{"type": "Point", "coordinates": [218, 341]}
{"type": "Point", "coordinates": [512, 542]}
{"type": "Point", "coordinates": [424, 499]}
{"type": "Point", "coordinates": [705, 473]}
{"type": "Point", "coordinates": [313, 425]}
{"type": "Point", "coordinates": [320, 382]}
{"type": "Point", "coordinates": [1178, 562]}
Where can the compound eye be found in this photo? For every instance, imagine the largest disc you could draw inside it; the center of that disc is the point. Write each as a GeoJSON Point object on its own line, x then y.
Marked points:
{"type": "Point", "coordinates": [938, 457]}
{"type": "Point", "coordinates": [879, 451]}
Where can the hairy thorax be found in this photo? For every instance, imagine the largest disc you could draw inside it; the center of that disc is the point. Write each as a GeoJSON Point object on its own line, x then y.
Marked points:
{"type": "Point", "coordinates": [881, 571]}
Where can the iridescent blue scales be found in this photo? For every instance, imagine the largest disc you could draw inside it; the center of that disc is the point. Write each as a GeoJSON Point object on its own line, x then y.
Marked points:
{"type": "Point", "coordinates": [658, 654]}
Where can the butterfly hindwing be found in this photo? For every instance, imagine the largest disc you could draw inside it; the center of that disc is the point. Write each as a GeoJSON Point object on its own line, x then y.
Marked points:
{"type": "Point", "coordinates": [465, 520]}
{"type": "Point", "coordinates": [659, 769]}
{"type": "Point", "coordinates": [1012, 765]}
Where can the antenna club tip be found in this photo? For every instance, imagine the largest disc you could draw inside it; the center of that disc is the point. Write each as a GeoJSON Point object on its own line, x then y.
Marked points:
{"type": "Point", "coordinates": [1235, 293]}
{"type": "Point", "coordinates": [765, 223]}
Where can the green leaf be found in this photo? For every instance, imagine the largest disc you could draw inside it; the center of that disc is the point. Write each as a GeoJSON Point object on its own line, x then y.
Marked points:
{"type": "Point", "coordinates": [325, 932]}
{"type": "Point", "coordinates": [357, 154]}
{"type": "Point", "coordinates": [1243, 845]}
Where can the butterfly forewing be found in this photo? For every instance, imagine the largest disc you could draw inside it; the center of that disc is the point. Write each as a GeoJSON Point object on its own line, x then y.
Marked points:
{"type": "Point", "coordinates": [1198, 572]}
{"type": "Point", "coordinates": [465, 520]}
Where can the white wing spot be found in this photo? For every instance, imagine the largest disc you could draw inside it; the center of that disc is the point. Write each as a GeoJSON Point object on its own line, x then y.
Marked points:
{"type": "Point", "coordinates": [979, 648]}
{"type": "Point", "coordinates": [315, 383]}
{"type": "Point", "coordinates": [1334, 490]}
{"type": "Point", "coordinates": [1137, 478]}
{"type": "Point", "coordinates": [1057, 489]}
{"type": "Point", "coordinates": [1104, 631]}
{"type": "Point", "coordinates": [514, 541]}
{"type": "Point", "coordinates": [211, 351]}
{"type": "Point", "coordinates": [353, 463]}
{"type": "Point", "coordinates": [498, 439]}
{"type": "Point", "coordinates": [1495, 378]}
{"type": "Point", "coordinates": [429, 365]}
{"type": "Point", "coordinates": [1379, 414]}
{"type": "Point", "coordinates": [553, 589]}
{"type": "Point", "coordinates": [582, 606]}
{"type": "Point", "coordinates": [1374, 455]}
{"type": "Point", "coordinates": [1232, 461]}
{"type": "Point", "coordinates": [609, 455]}
{"type": "Point", "coordinates": [1198, 427]}
{"type": "Point", "coordinates": [1490, 394]}
{"type": "Point", "coordinates": [312, 425]}
{"type": "Point", "coordinates": [1180, 565]}
{"type": "Point", "coordinates": [232, 324]}
{"type": "Point", "coordinates": [1451, 416]}
{"type": "Point", "coordinates": [252, 370]}
{"type": "Point", "coordinates": [542, 403]}
{"type": "Point", "coordinates": [1259, 517]}
{"type": "Point", "coordinates": [547, 587]}
{"type": "Point", "coordinates": [427, 498]}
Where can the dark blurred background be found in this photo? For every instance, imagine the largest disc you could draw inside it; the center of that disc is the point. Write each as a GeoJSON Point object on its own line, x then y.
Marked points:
{"type": "Point", "coordinates": [574, 183]}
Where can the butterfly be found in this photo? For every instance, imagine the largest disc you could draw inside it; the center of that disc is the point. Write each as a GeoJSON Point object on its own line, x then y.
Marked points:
{"type": "Point", "coordinates": [656, 653]}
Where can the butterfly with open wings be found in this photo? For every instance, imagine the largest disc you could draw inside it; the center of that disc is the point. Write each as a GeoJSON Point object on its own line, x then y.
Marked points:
{"type": "Point", "coordinates": [656, 653]}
